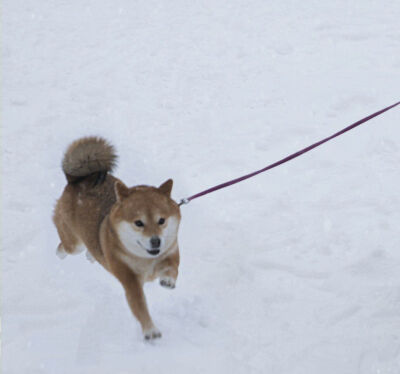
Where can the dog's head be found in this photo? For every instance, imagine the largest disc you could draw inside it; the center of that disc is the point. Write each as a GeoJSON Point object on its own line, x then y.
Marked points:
{"type": "Point", "coordinates": [146, 218]}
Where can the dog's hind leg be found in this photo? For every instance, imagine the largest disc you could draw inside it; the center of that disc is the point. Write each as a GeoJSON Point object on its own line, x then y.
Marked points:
{"type": "Point", "coordinates": [69, 242]}
{"type": "Point", "coordinates": [90, 257]}
{"type": "Point", "coordinates": [60, 252]}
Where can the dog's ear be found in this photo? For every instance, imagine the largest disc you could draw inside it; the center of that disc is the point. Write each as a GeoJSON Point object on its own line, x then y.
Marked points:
{"type": "Point", "coordinates": [166, 187]}
{"type": "Point", "coordinates": [121, 191]}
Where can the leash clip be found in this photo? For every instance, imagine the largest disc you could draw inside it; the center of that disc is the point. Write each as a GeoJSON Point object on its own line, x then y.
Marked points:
{"type": "Point", "coordinates": [184, 201]}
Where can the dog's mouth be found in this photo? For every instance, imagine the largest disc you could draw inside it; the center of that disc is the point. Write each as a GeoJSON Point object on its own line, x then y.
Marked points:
{"type": "Point", "coordinates": [153, 252]}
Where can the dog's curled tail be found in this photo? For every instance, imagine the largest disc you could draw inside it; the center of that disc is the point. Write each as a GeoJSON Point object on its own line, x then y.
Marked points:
{"type": "Point", "coordinates": [90, 156]}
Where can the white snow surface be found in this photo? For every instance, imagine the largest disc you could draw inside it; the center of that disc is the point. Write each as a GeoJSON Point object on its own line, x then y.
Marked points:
{"type": "Point", "coordinates": [296, 271]}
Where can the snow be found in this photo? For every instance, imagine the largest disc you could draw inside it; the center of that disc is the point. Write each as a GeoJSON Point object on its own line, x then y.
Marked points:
{"type": "Point", "coordinates": [295, 271]}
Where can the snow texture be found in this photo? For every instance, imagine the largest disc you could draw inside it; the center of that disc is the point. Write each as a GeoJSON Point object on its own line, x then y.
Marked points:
{"type": "Point", "coordinates": [295, 271]}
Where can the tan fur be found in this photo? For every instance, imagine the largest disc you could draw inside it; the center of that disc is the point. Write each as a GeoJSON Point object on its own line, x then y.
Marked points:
{"type": "Point", "coordinates": [93, 214]}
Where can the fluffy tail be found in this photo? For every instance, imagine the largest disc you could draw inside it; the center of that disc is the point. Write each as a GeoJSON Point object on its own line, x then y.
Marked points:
{"type": "Point", "coordinates": [91, 156]}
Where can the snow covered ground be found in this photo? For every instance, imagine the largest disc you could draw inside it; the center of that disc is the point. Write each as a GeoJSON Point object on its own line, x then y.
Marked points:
{"type": "Point", "coordinates": [294, 272]}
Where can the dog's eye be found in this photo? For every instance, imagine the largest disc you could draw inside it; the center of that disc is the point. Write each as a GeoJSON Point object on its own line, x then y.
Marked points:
{"type": "Point", "coordinates": [139, 223]}
{"type": "Point", "coordinates": [161, 221]}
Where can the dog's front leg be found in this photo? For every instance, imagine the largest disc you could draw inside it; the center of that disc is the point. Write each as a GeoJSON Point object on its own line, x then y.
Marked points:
{"type": "Point", "coordinates": [137, 302]}
{"type": "Point", "coordinates": [167, 270]}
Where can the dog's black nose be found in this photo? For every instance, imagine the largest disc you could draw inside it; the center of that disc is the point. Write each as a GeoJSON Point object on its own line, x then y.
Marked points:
{"type": "Point", "coordinates": [155, 242]}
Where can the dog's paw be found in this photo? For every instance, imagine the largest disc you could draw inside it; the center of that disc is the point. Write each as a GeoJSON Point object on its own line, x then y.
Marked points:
{"type": "Point", "coordinates": [167, 282]}
{"type": "Point", "coordinates": [90, 257]}
{"type": "Point", "coordinates": [152, 333]}
{"type": "Point", "coordinates": [61, 252]}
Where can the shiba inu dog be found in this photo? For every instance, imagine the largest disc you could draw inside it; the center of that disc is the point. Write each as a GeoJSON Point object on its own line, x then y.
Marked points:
{"type": "Point", "coordinates": [131, 232]}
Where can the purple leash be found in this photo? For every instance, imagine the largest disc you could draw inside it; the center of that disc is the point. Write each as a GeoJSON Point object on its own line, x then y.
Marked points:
{"type": "Point", "coordinates": [286, 159]}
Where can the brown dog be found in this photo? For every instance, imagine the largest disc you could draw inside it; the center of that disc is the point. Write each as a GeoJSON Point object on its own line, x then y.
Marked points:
{"type": "Point", "coordinates": [132, 232]}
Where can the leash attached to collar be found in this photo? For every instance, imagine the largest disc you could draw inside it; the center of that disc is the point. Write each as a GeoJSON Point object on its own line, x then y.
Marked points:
{"type": "Point", "coordinates": [286, 159]}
